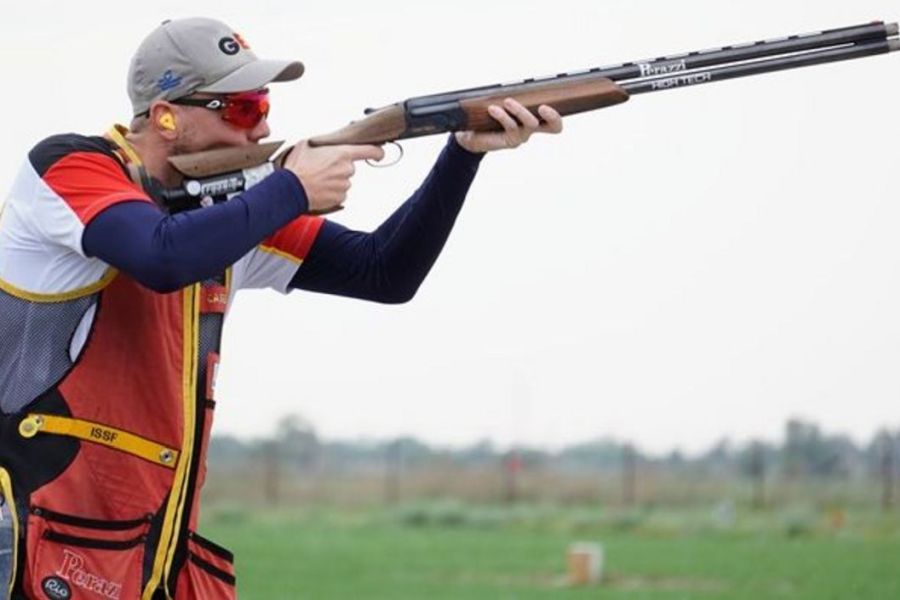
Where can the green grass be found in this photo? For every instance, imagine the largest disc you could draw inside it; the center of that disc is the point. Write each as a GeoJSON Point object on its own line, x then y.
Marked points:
{"type": "Point", "coordinates": [520, 554]}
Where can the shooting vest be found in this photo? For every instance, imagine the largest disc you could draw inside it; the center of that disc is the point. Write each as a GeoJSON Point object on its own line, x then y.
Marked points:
{"type": "Point", "coordinates": [101, 471]}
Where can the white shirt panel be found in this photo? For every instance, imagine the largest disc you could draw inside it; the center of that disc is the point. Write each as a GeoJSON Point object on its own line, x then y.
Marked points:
{"type": "Point", "coordinates": [40, 240]}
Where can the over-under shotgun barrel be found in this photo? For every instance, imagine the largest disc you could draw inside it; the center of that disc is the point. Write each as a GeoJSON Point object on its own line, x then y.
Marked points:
{"type": "Point", "coordinates": [701, 58]}
{"type": "Point", "coordinates": [590, 89]}
{"type": "Point", "coordinates": [769, 65]}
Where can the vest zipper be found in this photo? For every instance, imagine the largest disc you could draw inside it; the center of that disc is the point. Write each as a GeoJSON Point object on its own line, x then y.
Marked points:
{"type": "Point", "coordinates": [168, 540]}
{"type": "Point", "coordinates": [199, 428]}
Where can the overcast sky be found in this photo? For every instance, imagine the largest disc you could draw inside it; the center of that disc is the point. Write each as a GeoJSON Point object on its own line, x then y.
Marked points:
{"type": "Point", "coordinates": [693, 264]}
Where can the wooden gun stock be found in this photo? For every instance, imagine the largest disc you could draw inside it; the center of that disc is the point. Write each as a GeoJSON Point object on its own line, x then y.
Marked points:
{"type": "Point", "coordinates": [383, 125]}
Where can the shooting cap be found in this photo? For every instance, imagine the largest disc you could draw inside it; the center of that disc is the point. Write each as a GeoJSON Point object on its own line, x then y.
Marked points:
{"type": "Point", "coordinates": [184, 56]}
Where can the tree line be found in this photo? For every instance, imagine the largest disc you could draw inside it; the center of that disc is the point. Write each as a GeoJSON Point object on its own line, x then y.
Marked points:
{"type": "Point", "coordinates": [803, 450]}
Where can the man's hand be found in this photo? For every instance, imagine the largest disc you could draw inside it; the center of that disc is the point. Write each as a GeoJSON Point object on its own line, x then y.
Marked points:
{"type": "Point", "coordinates": [325, 172]}
{"type": "Point", "coordinates": [518, 125]}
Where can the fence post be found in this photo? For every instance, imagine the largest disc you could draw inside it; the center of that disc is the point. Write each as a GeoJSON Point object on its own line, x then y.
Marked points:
{"type": "Point", "coordinates": [629, 475]}
{"type": "Point", "coordinates": [393, 461]}
{"type": "Point", "coordinates": [887, 472]}
{"type": "Point", "coordinates": [512, 466]}
{"type": "Point", "coordinates": [758, 473]}
{"type": "Point", "coordinates": [271, 472]}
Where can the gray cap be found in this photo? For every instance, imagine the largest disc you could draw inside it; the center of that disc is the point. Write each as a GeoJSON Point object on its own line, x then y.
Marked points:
{"type": "Point", "coordinates": [184, 56]}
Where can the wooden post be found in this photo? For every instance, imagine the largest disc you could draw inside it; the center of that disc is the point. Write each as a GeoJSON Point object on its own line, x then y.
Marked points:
{"type": "Point", "coordinates": [887, 472]}
{"type": "Point", "coordinates": [585, 563]}
{"type": "Point", "coordinates": [512, 467]}
{"type": "Point", "coordinates": [758, 473]}
{"type": "Point", "coordinates": [629, 475]}
{"type": "Point", "coordinates": [393, 461]}
{"type": "Point", "coordinates": [270, 472]}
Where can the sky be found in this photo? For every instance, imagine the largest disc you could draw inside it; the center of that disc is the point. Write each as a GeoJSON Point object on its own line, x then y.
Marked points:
{"type": "Point", "coordinates": [693, 264]}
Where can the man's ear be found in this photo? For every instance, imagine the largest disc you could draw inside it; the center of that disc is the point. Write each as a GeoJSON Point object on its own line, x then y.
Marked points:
{"type": "Point", "coordinates": [163, 120]}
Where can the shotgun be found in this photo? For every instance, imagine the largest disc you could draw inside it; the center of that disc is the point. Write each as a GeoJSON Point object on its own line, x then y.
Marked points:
{"type": "Point", "coordinates": [217, 173]}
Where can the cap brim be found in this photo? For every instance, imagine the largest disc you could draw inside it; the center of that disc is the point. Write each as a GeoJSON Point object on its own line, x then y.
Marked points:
{"type": "Point", "coordinates": [255, 75]}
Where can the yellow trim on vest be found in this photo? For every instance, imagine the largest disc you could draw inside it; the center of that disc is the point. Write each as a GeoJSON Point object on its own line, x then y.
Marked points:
{"type": "Point", "coordinates": [6, 491]}
{"type": "Point", "coordinates": [117, 134]}
{"type": "Point", "coordinates": [104, 435]}
{"type": "Point", "coordinates": [168, 539]}
{"type": "Point", "coordinates": [190, 407]}
{"type": "Point", "coordinates": [281, 254]}
{"type": "Point", "coordinates": [62, 296]}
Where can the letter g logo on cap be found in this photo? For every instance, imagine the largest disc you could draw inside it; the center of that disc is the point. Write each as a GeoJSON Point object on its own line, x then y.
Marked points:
{"type": "Point", "coordinates": [229, 46]}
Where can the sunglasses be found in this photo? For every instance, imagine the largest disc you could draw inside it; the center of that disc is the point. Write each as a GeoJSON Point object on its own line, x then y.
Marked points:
{"type": "Point", "coordinates": [244, 110]}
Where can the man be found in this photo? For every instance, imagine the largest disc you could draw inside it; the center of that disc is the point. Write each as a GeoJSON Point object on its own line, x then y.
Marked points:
{"type": "Point", "coordinates": [111, 308]}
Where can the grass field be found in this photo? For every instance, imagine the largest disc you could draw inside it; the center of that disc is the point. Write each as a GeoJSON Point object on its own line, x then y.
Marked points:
{"type": "Point", "coordinates": [453, 552]}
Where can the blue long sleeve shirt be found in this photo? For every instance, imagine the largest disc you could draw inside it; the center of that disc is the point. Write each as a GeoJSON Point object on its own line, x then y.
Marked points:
{"type": "Point", "coordinates": [167, 252]}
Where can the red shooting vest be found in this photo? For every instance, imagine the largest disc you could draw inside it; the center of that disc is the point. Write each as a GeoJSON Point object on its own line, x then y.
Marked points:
{"type": "Point", "coordinates": [105, 467]}
{"type": "Point", "coordinates": [107, 389]}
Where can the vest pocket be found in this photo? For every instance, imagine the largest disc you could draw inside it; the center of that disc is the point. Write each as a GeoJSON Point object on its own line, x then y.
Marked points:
{"type": "Point", "coordinates": [9, 535]}
{"type": "Point", "coordinates": [208, 573]}
{"type": "Point", "coordinates": [69, 555]}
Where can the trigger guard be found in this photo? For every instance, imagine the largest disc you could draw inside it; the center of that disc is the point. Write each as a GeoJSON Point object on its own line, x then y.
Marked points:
{"type": "Point", "coordinates": [379, 165]}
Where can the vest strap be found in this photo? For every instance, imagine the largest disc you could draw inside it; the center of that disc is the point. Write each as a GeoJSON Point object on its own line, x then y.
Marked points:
{"type": "Point", "coordinates": [97, 433]}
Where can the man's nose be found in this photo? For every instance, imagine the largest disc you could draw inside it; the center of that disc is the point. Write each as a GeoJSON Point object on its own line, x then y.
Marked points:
{"type": "Point", "coordinates": [261, 131]}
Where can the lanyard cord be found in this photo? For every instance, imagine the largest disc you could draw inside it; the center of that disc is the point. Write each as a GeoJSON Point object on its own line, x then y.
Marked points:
{"type": "Point", "coordinates": [133, 163]}
{"type": "Point", "coordinates": [117, 134]}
